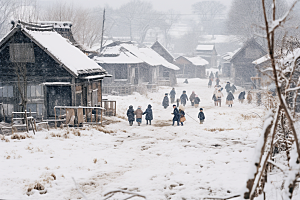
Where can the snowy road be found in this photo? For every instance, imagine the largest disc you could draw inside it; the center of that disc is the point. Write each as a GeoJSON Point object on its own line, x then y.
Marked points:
{"type": "Point", "coordinates": [158, 161]}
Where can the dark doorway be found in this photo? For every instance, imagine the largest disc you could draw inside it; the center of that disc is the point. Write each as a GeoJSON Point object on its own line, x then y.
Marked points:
{"type": "Point", "coordinates": [58, 96]}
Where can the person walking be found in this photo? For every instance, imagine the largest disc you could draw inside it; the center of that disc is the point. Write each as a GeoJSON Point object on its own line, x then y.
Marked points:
{"type": "Point", "coordinates": [215, 99]}
{"type": "Point", "coordinates": [233, 89]}
{"type": "Point", "coordinates": [209, 83]}
{"type": "Point", "coordinates": [165, 102]}
{"type": "Point", "coordinates": [228, 87]}
{"type": "Point", "coordinates": [249, 97]}
{"type": "Point", "coordinates": [183, 98]}
{"type": "Point", "coordinates": [176, 114]}
{"type": "Point", "coordinates": [178, 102]}
{"type": "Point", "coordinates": [201, 116]}
{"type": "Point", "coordinates": [217, 81]}
{"type": "Point", "coordinates": [229, 99]}
{"type": "Point", "coordinates": [139, 115]}
{"type": "Point", "coordinates": [197, 101]}
{"type": "Point", "coordinates": [149, 114]}
{"type": "Point", "coordinates": [130, 115]}
{"type": "Point", "coordinates": [192, 98]}
{"type": "Point", "coordinates": [211, 76]}
{"type": "Point", "coordinates": [182, 115]}
{"type": "Point", "coordinates": [219, 96]}
{"type": "Point", "coordinates": [242, 97]}
{"type": "Point", "coordinates": [172, 95]}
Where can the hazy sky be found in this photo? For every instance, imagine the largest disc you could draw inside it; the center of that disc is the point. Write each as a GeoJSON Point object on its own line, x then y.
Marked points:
{"type": "Point", "coordinates": [182, 6]}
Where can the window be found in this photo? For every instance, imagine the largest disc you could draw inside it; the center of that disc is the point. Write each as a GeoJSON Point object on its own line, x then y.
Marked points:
{"type": "Point", "coordinates": [8, 109]}
{"type": "Point", "coordinates": [121, 72]}
{"type": "Point", "coordinates": [34, 91]}
{"type": "Point", "coordinates": [6, 91]}
{"type": "Point", "coordinates": [35, 107]}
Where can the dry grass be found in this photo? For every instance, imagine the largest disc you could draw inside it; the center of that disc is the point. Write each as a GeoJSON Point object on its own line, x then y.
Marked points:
{"type": "Point", "coordinates": [249, 116]}
{"type": "Point", "coordinates": [95, 160]}
{"type": "Point", "coordinates": [121, 117]}
{"type": "Point", "coordinates": [76, 132]}
{"type": "Point", "coordinates": [55, 134]}
{"type": "Point", "coordinates": [101, 129]}
{"type": "Point", "coordinates": [163, 123]}
{"type": "Point", "coordinates": [218, 129]}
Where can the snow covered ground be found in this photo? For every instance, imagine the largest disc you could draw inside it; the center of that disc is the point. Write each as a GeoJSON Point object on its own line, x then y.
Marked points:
{"type": "Point", "coordinates": [159, 161]}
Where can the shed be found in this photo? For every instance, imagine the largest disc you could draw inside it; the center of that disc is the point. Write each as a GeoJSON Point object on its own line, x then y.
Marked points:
{"type": "Point", "coordinates": [43, 67]}
{"type": "Point", "coordinates": [132, 66]}
{"type": "Point", "coordinates": [242, 67]}
{"type": "Point", "coordinates": [191, 67]}
{"type": "Point", "coordinates": [209, 53]}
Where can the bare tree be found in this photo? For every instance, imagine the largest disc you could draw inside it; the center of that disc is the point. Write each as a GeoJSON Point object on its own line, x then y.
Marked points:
{"type": "Point", "coordinates": [245, 16]}
{"type": "Point", "coordinates": [86, 22]}
{"type": "Point", "coordinates": [283, 76]}
{"type": "Point", "coordinates": [138, 17]}
{"type": "Point", "coordinates": [209, 12]}
{"type": "Point", "coordinates": [169, 19]}
{"type": "Point", "coordinates": [6, 9]}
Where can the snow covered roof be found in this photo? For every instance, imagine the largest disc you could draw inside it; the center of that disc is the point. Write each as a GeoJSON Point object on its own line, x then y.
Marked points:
{"type": "Point", "coordinates": [227, 56]}
{"type": "Point", "coordinates": [204, 47]}
{"type": "Point", "coordinates": [63, 51]}
{"type": "Point", "coordinates": [261, 60]}
{"type": "Point", "coordinates": [57, 47]}
{"type": "Point", "coordinates": [130, 53]}
{"type": "Point", "coordinates": [197, 60]}
{"type": "Point", "coordinates": [217, 39]}
{"type": "Point", "coordinates": [57, 24]}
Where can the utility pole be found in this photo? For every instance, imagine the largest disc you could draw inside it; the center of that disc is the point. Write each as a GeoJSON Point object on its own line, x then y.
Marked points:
{"type": "Point", "coordinates": [102, 30]}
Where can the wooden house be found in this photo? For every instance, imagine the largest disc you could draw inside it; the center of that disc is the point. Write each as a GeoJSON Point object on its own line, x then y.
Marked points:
{"type": "Point", "coordinates": [165, 73]}
{"type": "Point", "coordinates": [209, 53]}
{"type": "Point", "coordinates": [38, 64]}
{"type": "Point", "coordinates": [132, 66]}
{"type": "Point", "coordinates": [242, 68]}
{"type": "Point", "coordinates": [191, 67]}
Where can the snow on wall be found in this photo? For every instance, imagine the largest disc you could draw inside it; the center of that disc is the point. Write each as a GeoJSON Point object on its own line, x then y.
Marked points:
{"type": "Point", "coordinates": [205, 47]}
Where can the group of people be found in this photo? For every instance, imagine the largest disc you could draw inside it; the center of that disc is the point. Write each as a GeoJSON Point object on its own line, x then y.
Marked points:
{"type": "Point", "coordinates": [179, 115]}
{"type": "Point", "coordinates": [217, 95]}
{"type": "Point", "coordinates": [138, 114]}
{"type": "Point", "coordinates": [195, 100]}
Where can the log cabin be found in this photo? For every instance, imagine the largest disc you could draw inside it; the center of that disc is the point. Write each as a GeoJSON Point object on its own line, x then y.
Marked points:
{"type": "Point", "coordinates": [39, 66]}
{"type": "Point", "coordinates": [191, 67]}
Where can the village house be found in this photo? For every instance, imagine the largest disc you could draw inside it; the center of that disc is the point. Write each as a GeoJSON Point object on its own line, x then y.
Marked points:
{"type": "Point", "coordinates": [242, 69]}
{"type": "Point", "coordinates": [37, 63]}
{"type": "Point", "coordinates": [191, 67]}
{"type": "Point", "coordinates": [133, 67]}
{"type": "Point", "coordinates": [209, 53]}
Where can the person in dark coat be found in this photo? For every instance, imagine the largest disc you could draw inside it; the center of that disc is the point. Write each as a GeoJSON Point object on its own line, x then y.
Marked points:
{"type": "Point", "coordinates": [165, 102]}
{"type": "Point", "coordinates": [228, 87]}
{"type": "Point", "coordinates": [217, 74]}
{"type": "Point", "coordinates": [176, 114]}
{"type": "Point", "coordinates": [217, 81]}
{"type": "Point", "coordinates": [172, 95]}
{"type": "Point", "coordinates": [215, 99]}
{"type": "Point", "coordinates": [197, 101]}
{"type": "Point", "coordinates": [149, 114]}
{"type": "Point", "coordinates": [209, 83]}
{"type": "Point", "coordinates": [178, 102]}
{"type": "Point", "coordinates": [186, 81]}
{"type": "Point", "coordinates": [192, 98]}
{"type": "Point", "coordinates": [130, 115]}
{"type": "Point", "coordinates": [242, 97]}
{"type": "Point", "coordinates": [233, 89]}
{"type": "Point", "coordinates": [201, 116]}
{"type": "Point", "coordinates": [211, 76]}
{"type": "Point", "coordinates": [229, 99]}
{"type": "Point", "coordinates": [182, 115]}
{"type": "Point", "coordinates": [183, 98]}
